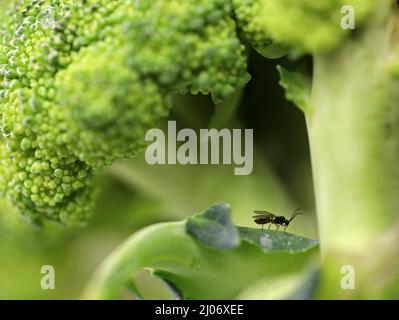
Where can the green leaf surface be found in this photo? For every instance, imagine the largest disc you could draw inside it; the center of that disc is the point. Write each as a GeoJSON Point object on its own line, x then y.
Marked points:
{"type": "Point", "coordinates": [199, 266]}
{"type": "Point", "coordinates": [297, 88]}
{"type": "Point", "coordinates": [272, 240]}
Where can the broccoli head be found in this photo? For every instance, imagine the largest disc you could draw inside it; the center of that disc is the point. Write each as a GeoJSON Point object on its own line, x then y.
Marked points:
{"type": "Point", "coordinates": [82, 81]}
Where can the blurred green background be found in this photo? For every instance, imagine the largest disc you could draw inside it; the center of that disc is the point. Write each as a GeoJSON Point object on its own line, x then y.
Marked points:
{"type": "Point", "coordinates": [134, 194]}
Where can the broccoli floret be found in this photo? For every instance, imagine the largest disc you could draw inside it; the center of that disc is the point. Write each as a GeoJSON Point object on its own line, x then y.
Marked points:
{"type": "Point", "coordinates": [304, 25]}
{"type": "Point", "coordinates": [117, 106]}
{"type": "Point", "coordinates": [82, 81]}
{"type": "Point", "coordinates": [190, 45]}
{"type": "Point", "coordinates": [253, 29]}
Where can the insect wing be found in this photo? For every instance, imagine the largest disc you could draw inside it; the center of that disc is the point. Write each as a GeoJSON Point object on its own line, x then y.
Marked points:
{"type": "Point", "coordinates": [262, 214]}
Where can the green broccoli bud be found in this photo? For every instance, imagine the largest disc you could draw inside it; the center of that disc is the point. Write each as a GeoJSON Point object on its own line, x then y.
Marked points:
{"type": "Point", "coordinates": [253, 30]}
{"type": "Point", "coordinates": [106, 106]}
{"type": "Point", "coordinates": [42, 176]}
{"type": "Point", "coordinates": [190, 45]}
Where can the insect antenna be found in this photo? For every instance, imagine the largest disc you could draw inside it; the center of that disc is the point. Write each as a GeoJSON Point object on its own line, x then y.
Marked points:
{"type": "Point", "coordinates": [295, 213]}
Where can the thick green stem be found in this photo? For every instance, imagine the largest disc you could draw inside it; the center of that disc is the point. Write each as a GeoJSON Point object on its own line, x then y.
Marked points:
{"type": "Point", "coordinates": [354, 140]}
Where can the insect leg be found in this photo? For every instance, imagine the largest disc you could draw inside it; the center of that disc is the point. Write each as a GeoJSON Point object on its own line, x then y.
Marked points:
{"type": "Point", "coordinates": [262, 225]}
{"type": "Point", "coordinates": [269, 226]}
{"type": "Point", "coordinates": [278, 227]}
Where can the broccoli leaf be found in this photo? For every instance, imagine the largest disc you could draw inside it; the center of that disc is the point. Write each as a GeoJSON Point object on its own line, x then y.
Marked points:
{"type": "Point", "coordinates": [297, 88]}
{"type": "Point", "coordinates": [214, 228]}
{"type": "Point", "coordinates": [272, 240]}
{"type": "Point", "coordinates": [200, 266]}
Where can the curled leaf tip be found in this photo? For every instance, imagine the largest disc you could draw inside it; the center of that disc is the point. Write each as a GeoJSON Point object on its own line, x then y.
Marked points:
{"type": "Point", "coordinates": [214, 228]}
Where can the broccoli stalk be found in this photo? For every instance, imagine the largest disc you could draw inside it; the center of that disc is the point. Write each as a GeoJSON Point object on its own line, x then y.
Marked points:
{"type": "Point", "coordinates": [353, 125]}
{"type": "Point", "coordinates": [353, 132]}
